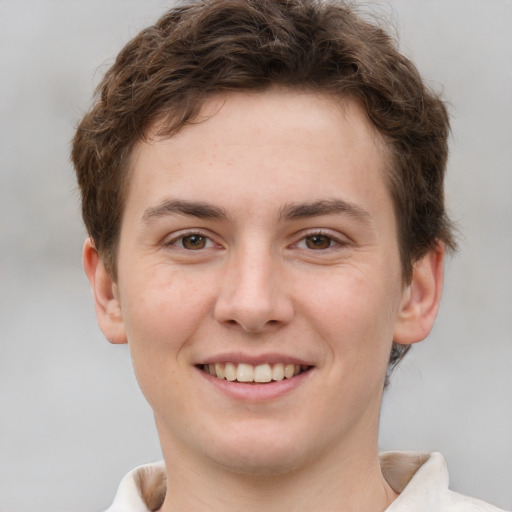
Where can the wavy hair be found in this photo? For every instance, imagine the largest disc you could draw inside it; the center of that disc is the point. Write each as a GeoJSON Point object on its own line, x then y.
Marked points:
{"type": "Point", "coordinates": [200, 48]}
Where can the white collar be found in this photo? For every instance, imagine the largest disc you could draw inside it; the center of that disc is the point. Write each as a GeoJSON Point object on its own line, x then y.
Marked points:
{"type": "Point", "coordinates": [421, 479]}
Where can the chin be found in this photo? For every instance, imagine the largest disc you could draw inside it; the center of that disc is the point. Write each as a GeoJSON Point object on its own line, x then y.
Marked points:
{"type": "Point", "coordinates": [255, 454]}
{"type": "Point", "coordinates": [261, 464]}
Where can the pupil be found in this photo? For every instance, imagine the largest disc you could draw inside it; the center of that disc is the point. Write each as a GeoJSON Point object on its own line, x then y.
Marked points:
{"type": "Point", "coordinates": [194, 242]}
{"type": "Point", "coordinates": [318, 242]}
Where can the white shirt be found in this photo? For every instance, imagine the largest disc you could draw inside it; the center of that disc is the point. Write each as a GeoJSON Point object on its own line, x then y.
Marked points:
{"type": "Point", "coordinates": [421, 479]}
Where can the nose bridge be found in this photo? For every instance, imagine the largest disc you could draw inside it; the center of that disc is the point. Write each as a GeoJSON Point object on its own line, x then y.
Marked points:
{"type": "Point", "coordinates": [253, 294]}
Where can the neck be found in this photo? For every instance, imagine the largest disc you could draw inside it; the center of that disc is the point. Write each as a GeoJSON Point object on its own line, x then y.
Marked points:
{"type": "Point", "coordinates": [344, 480]}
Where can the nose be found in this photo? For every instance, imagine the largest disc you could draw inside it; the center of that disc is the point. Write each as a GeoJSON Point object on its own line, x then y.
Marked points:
{"type": "Point", "coordinates": [253, 294]}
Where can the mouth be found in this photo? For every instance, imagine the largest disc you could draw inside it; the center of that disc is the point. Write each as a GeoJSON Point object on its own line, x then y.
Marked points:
{"type": "Point", "coordinates": [254, 374]}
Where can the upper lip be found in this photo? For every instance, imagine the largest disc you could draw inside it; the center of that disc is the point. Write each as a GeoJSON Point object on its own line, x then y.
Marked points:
{"type": "Point", "coordinates": [254, 359]}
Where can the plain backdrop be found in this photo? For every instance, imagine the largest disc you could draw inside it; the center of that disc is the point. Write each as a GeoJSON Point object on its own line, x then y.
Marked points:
{"type": "Point", "coordinates": [72, 420]}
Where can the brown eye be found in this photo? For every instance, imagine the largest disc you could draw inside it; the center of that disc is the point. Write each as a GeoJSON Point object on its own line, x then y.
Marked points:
{"type": "Point", "coordinates": [318, 242]}
{"type": "Point", "coordinates": [193, 242]}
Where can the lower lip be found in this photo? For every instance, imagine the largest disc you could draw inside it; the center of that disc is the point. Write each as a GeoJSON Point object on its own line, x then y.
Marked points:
{"type": "Point", "coordinates": [254, 392]}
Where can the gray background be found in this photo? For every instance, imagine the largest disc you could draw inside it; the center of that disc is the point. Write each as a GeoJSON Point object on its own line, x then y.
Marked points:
{"type": "Point", "coordinates": [72, 420]}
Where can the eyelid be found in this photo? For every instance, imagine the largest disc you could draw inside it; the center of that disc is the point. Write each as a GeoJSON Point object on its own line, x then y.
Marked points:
{"type": "Point", "coordinates": [171, 241]}
{"type": "Point", "coordinates": [336, 237]}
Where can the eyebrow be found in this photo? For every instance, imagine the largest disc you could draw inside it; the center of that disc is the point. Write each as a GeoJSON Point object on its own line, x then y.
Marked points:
{"type": "Point", "coordinates": [179, 207]}
{"type": "Point", "coordinates": [292, 211]}
{"type": "Point", "coordinates": [299, 211]}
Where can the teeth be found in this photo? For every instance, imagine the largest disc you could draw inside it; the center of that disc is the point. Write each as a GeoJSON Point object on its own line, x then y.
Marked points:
{"type": "Point", "coordinates": [230, 371]}
{"type": "Point", "coordinates": [278, 372]}
{"type": "Point", "coordinates": [262, 373]}
{"type": "Point", "coordinates": [289, 371]}
{"type": "Point", "coordinates": [219, 371]}
{"type": "Point", "coordinates": [244, 372]}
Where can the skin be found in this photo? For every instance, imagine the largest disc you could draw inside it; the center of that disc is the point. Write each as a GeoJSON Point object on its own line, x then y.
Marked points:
{"type": "Point", "coordinates": [265, 280]}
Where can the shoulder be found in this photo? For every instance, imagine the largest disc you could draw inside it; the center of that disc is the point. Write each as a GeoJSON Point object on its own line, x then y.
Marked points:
{"type": "Point", "coordinates": [141, 490]}
{"type": "Point", "coordinates": [421, 479]}
{"type": "Point", "coordinates": [455, 502]}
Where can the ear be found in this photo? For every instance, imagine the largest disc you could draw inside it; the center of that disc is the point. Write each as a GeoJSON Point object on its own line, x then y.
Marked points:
{"type": "Point", "coordinates": [106, 300]}
{"type": "Point", "coordinates": [421, 298]}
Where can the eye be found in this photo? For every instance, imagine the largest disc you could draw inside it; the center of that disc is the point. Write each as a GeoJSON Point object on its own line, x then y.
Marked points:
{"type": "Point", "coordinates": [191, 242]}
{"type": "Point", "coordinates": [194, 242]}
{"type": "Point", "coordinates": [322, 243]}
{"type": "Point", "coordinates": [318, 241]}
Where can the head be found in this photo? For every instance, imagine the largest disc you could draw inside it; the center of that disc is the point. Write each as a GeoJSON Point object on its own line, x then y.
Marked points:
{"type": "Point", "coordinates": [262, 185]}
{"type": "Point", "coordinates": [198, 50]}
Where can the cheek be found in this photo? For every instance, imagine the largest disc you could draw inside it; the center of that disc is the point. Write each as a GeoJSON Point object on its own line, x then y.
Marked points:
{"type": "Point", "coordinates": [162, 313]}
{"type": "Point", "coordinates": [355, 315]}
{"type": "Point", "coordinates": [161, 318]}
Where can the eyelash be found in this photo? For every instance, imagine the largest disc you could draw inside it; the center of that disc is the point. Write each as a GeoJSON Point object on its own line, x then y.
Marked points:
{"type": "Point", "coordinates": [177, 242]}
{"type": "Point", "coordinates": [334, 242]}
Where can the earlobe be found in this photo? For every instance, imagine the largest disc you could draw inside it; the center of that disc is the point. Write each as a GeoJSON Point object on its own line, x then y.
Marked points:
{"type": "Point", "coordinates": [421, 298]}
{"type": "Point", "coordinates": [106, 300]}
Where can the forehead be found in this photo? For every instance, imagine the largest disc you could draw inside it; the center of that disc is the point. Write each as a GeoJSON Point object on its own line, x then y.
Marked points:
{"type": "Point", "coordinates": [270, 110]}
{"type": "Point", "coordinates": [276, 143]}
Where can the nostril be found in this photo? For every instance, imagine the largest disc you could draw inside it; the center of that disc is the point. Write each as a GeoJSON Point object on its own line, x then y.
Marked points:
{"type": "Point", "coordinates": [251, 327]}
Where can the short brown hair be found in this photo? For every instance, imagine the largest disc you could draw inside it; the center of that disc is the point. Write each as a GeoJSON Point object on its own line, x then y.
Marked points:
{"type": "Point", "coordinates": [203, 47]}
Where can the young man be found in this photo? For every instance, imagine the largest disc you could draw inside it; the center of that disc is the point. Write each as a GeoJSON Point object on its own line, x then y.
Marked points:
{"type": "Point", "coordinates": [262, 183]}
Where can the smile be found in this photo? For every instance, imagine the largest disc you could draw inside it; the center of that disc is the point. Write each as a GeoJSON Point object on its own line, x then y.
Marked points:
{"type": "Point", "coordinates": [261, 373]}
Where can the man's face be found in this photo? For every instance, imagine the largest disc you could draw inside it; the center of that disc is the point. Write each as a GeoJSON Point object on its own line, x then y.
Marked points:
{"type": "Point", "coordinates": [261, 238]}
